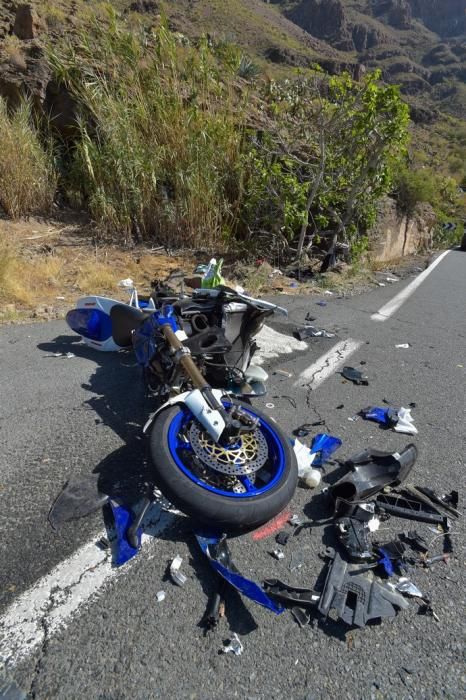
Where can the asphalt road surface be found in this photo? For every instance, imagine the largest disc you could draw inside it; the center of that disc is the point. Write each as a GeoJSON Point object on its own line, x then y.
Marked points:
{"type": "Point", "coordinates": [73, 627]}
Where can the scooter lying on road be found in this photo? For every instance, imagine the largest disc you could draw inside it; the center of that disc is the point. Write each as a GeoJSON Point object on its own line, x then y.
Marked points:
{"type": "Point", "coordinates": [215, 457]}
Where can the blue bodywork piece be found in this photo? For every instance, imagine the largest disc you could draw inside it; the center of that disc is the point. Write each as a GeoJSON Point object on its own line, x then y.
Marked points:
{"type": "Point", "coordinates": [384, 416]}
{"type": "Point", "coordinates": [324, 445]}
{"type": "Point", "coordinates": [145, 337]}
{"type": "Point", "coordinates": [386, 562]}
{"type": "Point", "coordinates": [123, 551]}
{"type": "Point", "coordinates": [94, 324]}
{"type": "Point", "coordinates": [214, 546]}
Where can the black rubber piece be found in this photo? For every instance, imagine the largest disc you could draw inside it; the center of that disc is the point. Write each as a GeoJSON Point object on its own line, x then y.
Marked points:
{"type": "Point", "coordinates": [226, 514]}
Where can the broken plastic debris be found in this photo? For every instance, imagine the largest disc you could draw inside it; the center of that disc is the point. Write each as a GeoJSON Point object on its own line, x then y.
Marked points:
{"type": "Point", "coordinates": [159, 596]}
{"type": "Point", "coordinates": [324, 445]}
{"type": "Point", "coordinates": [321, 303]}
{"type": "Point", "coordinates": [311, 332]}
{"type": "Point", "coordinates": [328, 293]}
{"type": "Point", "coordinates": [278, 554]}
{"type": "Point", "coordinates": [301, 616]}
{"type": "Point", "coordinates": [295, 520]}
{"type": "Point", "coordinates": [405, 422]}
{"type": "Point", "coordinates": [284, 373]}
{"type": "Point", "coordinates": [234, 645]}
{"type": "Point", "coordinates": [399, 419]}
{"type": "Point", "coordinates": [354, 375]}
{"type": "Point", "coordinates": [310, 476]}
{"type": "Point", "coordinates": [373, 524]}
{"type": "Point", "coordinates": [403, 346]}
{"type": "Point", "coordinates": [407, 587]}
{"type": "Point", "coordinates": [175, 573]}
{"type": "Point", "coordinates": [215, 547]}
{"type": "Point", "coordinates": [123, 550]}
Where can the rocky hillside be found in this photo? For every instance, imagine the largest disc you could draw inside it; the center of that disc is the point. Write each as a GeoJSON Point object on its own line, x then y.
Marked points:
{"type": "Point", "coordinates": [418, 43]}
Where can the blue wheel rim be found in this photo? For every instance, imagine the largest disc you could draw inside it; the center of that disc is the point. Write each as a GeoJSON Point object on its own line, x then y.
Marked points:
{"type": "Point", "coordinates": [275, 464]}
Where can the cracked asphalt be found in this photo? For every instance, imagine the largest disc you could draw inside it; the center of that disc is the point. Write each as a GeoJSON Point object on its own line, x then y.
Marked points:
{"type": "Point", "coordinates": [74, 417]}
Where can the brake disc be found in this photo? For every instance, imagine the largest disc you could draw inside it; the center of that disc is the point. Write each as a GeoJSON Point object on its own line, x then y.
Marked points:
{"type": "Point", "coordinates": [248, 455]}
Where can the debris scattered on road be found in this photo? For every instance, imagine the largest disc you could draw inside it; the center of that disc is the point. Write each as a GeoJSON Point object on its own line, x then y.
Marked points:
{"type": "Point", "coordinates": [399, 419]}
{"type": "Point", "coordinates": [123, 551]}
{"type": "Point", "coordinates": [176, 575]}
{"type": "Point", "coordinates": [270, 405]}
{"type": "Point", "coordinates": [159, 596]}
{"type": "Point", "coordinates": [324, 445]}
{"type": "Point", "coordinates": [407, 587]}
{"type": "Point", "coordinates": [67, 355]}
{"type": "Point", "coordinates": [301, 616]}
{"type": "Point", "coordinates": [355, 376]}
{"type": "Point", "coordinates": [234, 645]}
{"type": "Point", "coordinates": [403, 346]}
{"type": "Point", "coordinates": [311, 332]}
{"type": "Point", "coordinates": [282, 537]}
{"type": "Point", "coordinates": [278, 554]}
{"type": "Point", "coordinates": [284, 373]}
{"type": "Point", "coordinates": [215, 547]}
{"type": "Point", "coordinates": [321, 303]}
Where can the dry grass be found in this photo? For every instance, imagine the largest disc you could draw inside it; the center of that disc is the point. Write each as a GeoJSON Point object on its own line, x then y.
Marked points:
{"type": "Point", "coordinates": [27, 175]}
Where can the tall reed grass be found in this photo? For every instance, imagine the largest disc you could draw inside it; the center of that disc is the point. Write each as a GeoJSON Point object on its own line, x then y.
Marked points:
{"type": "Point", "coordinates": [161, 134]}
{"type": "Point", "coordinates": [28, 178]}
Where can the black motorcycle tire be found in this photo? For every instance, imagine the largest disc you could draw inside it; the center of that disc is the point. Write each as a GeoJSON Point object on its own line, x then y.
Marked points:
{"type": "Point", "coordinates": [222, 512]}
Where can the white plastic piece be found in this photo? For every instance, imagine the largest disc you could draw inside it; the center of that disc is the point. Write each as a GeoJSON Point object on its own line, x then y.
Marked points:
{"type": "Point", "coordinates": [403, 346]}
{"type": "Point", "coordinates": [381, 284]}
{"type": "Point", "coordinates": [373, 524]}
{"type": "Point", "coordinates": [407, 587]}
{"type": "Point", "coordinates": [311, 477]}
{"type": "Point", "coordinates": [405, 422]}
{"type": "Point", "coordinates": [234, 645]}
{"type": "Point", "coordinates": [278, 554]}
{"type": "Point", "coordinates": [175, 573]}
{"type": "Point", "coordinates": [159, 596]}
{"type": "Point", "coordinates": [328, 293]}
{"type": "Point", "coordinates": [209, 418]}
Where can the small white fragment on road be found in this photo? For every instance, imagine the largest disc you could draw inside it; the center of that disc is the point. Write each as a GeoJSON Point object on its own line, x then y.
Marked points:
{"type": "Point", "coordinates": [328, 293]}
{"type": "Point", "coordinates": [373, 524]}
{"type": "Point", "coordinates": [234, 645]}
{"type": "Point", "coordinates": [176, 575]}
{"type": "Point", "coordinates": [403, 346]}
{"type": "Point", "coordinates": [159, 596]}
{"type": "Point", "coordinates": [381, 284]}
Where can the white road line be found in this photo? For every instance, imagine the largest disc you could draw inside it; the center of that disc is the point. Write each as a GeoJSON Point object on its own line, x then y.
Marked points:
{"type": "Point", "coordinates": [393, 305]}
{"type": "Point", "coordinates": [327, 364]}
{"type": "Point", "coordinates": [273, 344]}
{"type": "Point", "coordinates": [53, 601]}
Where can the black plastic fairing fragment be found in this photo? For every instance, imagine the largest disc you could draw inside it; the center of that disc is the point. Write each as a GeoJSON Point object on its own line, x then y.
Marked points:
{"type": "Point", "coordinates": [289, 595]}
{"type": "Point", "coordinates": [409, 509]}
{"type": "Point", "coordinates": [78, 498]}
{"type": "Point", "coordinates": [371, 471]}
{"type": "Point", "coordinates": [415, 541]}
{"type": "Point", "coordinates": [355, 376]}
{"type": "Point", "coordinates": [301, 616]}
{"type": "Point", "coordinates": [353, 535]}
{"type": "Point", "coordinates": [429, 497]}
{"type": "Point", "coordinates": [356, 597]}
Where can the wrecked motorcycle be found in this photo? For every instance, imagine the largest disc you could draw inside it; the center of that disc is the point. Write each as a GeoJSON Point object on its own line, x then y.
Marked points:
{"type": "Point", "coordinates": [214, 456]}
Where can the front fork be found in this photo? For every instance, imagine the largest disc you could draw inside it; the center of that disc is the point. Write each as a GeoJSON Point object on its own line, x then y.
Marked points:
{"type": "Point", "coordinates": [222, 426]}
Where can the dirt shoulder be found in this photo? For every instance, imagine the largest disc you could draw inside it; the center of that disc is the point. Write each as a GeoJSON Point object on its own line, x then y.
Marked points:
{"type": "Point", "coordinates": [46, 265]}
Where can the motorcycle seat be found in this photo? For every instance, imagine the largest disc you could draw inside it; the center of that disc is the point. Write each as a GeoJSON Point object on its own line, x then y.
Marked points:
{"type": "Point", "coordinates": [125, 319]}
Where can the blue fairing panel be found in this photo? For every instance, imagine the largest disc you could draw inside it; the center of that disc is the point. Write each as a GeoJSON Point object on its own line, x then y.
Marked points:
{"type": "Point", "coordinates": [90, 323]}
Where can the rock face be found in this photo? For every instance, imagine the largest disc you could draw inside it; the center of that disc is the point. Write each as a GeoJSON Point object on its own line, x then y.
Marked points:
{"type": "Point", "coordinates": [324, 19]}
{"type": "Point", "coordinates": [27, 24]}
{"type": "Point", "coordinates": [444, 17]}
{"type": "Point", "coordinates": [395, 235]}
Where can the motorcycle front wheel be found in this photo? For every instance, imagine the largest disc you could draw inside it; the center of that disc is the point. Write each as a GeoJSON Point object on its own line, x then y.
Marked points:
{"type": "Point", "coordinates": [231, 489]}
